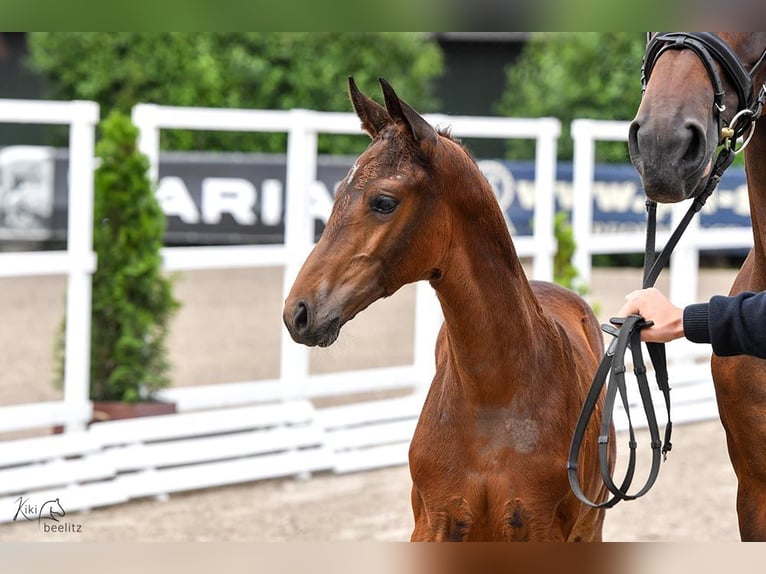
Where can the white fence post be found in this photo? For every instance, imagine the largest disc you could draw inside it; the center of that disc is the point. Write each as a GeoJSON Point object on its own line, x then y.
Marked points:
{"type": "Point", "coordinates": [582, 202]}
{"type": "Point", "coordinates": [428, 320]}
{"type": "Point", "coordinates": [144, 117]}
{"type": "Point", "coordinates": [545, 181]}
{"type": "Point", "coordinates": [684, 262]}
{"type": "Point", "coordinates": [80, 246]}
{"type": "Point", "coordinates": [299, 237]}
{"type": "Point", "coordinates": [585, 133]}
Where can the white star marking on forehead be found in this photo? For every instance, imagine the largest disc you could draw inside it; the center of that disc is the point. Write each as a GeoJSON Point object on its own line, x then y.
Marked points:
{"type": "Point", "coordinates": [351, 172]}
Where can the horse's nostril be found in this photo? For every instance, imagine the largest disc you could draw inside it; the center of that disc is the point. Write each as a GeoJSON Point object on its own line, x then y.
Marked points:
{"type": "Point", "coordinates": [695, 149]}
{"type": "Point", "coordinates": [301, 317]}
{"type": "Point", "coordinates": [633, 149]}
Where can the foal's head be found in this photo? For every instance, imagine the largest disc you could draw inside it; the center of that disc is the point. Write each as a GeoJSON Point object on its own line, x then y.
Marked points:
{"type": "Point", "coordinates": [389, 224]}
{"type": "Point", "coordinates": [674, 135]}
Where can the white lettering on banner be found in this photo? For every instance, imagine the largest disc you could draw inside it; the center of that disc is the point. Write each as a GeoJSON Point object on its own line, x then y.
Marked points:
{"type": "Point", "coordinates": [618, 197]}
{"type": "Point", "coordinates": [734, 199]}
{"type": "Point", "coordinates": [271, 202]}
{"type": "Point", "coordinates": [501, 179]}
{"type": "Point", "coordinates": [503, 184]}
{"type": "Point", "coordinates": [221, 195]}
{"type": "Point", "coordinates": [525, 191]}
{"type": "Point", "coordinates": [320, 201]}
{"type": "Point", "coordinates": [174, 199]}
{"type": "Point", "coordinates": [564, 193]}
{"type": "Point", "coordinates": [742, 203]}
{"type": "Point", "coordinates": [237, 197]}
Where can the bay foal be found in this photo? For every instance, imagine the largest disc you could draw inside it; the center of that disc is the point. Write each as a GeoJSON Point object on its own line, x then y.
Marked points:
{"type": "Point", "coordinates": [514, 360]}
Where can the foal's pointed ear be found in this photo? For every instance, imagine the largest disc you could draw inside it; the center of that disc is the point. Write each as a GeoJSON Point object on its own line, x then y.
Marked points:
{"type": "Point", "coordinates": [402, 112]}
{"type": "Point", "coordinates": [374, 116]}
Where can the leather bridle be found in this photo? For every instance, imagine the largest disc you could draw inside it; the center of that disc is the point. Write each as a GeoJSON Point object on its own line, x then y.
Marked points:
{"type": "Point", "coordinates": [710, 49]}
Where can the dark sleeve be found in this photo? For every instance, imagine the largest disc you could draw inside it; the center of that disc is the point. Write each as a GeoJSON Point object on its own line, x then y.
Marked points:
{"type": "Point", "coordinates": [732, 325]}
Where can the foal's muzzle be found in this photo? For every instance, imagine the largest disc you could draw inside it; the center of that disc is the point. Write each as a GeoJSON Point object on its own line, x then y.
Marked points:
{"type": "Point", "coordinates": [306, 328]}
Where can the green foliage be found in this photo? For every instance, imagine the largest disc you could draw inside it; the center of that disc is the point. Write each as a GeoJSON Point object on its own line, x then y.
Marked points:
{"type": "Point", "coordinates": [570, 75]}
{"type": "Point", "coordinates": [263, 70]}
{"type": "Point", "coordinates": [564, 271]}
{"type": "Point", "coordinates": [132, 301]}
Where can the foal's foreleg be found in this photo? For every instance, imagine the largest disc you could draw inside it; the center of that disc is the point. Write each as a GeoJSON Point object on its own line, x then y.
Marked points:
{"type": "Point", "coordinates": [751, 510]}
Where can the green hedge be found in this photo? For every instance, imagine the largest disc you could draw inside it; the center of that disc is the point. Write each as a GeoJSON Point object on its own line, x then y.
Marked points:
{"type": "Point", "coordinates": [263, 70]}
{"type": "Point", "coordinates": [568, 75]}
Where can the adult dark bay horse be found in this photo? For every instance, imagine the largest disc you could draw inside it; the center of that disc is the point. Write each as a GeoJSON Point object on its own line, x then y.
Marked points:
{"type": "Point", "coordinates": [513, 361]}
{"type": "Point", "coordinates": [702, 90]}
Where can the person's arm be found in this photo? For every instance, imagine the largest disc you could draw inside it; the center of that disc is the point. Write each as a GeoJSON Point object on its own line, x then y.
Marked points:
{"type": "Point", "coordinates": [737, 324]}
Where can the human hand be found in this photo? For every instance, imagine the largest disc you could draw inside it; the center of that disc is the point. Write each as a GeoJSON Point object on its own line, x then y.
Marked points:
{"type": "Point", "coordinates": [653, 306]}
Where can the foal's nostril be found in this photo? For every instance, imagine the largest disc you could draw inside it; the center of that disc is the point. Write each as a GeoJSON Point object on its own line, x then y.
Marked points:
{"type": "Point", "coordinates": [301, 317]}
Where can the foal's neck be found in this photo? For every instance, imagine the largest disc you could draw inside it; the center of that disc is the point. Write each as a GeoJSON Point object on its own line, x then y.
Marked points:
{"type": "Point", "coordinates": [492, 317]}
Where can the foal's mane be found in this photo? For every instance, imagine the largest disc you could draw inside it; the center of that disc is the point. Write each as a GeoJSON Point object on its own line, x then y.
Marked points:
{"type": "Point", "coordinates": [446, 131]}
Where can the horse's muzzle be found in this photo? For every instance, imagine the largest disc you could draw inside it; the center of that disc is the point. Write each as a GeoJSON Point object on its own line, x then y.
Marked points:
{"type": "Point", "coordinates": [670, 158]}
{"type": "Point", "coordinates": [304, 327]}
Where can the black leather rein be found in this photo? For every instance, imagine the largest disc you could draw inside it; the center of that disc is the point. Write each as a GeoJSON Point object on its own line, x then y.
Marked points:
{"type": "Point", "coordinates": [710, 49]}
{"type": "Point", "coordinates": [628, 336]}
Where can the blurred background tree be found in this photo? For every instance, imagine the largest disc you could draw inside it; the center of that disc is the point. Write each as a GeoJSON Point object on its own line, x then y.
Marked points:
{"type": "Point", "coordinates": [263, 70]}
{"type": "Point", "coordinates": [568, 75]}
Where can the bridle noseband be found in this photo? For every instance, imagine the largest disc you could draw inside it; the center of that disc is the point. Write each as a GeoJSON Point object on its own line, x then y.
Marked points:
{"type": "Point", "coordinates": [710, 49]}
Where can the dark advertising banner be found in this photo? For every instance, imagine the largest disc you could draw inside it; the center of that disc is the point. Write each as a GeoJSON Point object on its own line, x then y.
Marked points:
{"type": "Point", "coordinates": [231, 198]}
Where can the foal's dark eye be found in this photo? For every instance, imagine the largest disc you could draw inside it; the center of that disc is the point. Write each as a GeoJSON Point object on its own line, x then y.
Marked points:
{"type": "Point", "coordinates": [384, 204]}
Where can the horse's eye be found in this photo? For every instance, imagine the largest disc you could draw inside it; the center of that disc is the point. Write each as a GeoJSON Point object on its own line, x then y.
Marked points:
{"type": "Point", "coordinates": [384, 204]}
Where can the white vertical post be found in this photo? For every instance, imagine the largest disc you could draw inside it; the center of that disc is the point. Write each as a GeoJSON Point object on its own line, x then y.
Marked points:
{"type": "Point", "coordinates": [80, 248]}
{"type": "Point", "coordinates": [545, 181]}
{"type": "Point", "coordinates": [428, 321]}
{"type": "Point", "coordinates": [144, 117]}
{"type": "Point", "coordinates": [684, 271]}
{"type": "Point", "coordinates": [582, 202]}
{"type": "Point", "coordinates": [299, 237]}
{"type": "Point", "coordinates": [684, 262]}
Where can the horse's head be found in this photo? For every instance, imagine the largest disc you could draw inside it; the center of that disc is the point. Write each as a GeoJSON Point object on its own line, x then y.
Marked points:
{"type": "Point", "coordinates": [385, 228]}
{"type": "Point", "coordinates": [695, 84]}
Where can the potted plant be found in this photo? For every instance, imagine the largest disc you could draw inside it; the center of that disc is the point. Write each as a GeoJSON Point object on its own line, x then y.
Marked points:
{"type": "Point", "coordinates": [132, 301]}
